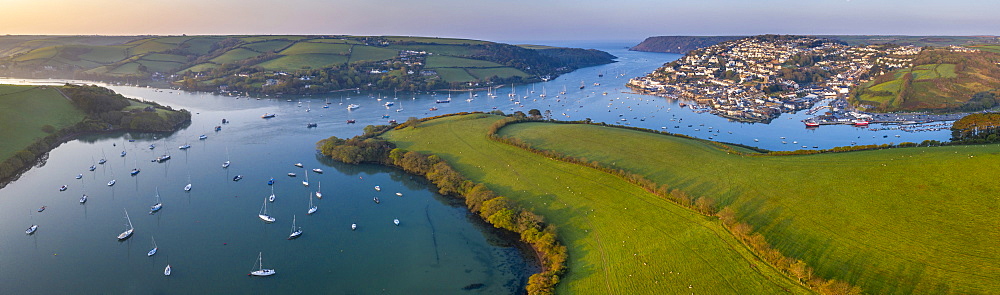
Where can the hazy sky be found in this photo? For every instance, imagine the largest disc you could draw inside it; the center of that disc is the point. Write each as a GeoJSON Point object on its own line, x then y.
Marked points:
{"type": "Point", "coordinates": [502, 20]}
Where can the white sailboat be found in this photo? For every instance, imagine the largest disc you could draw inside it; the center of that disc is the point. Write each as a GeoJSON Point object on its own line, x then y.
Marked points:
{"type": "Point", "coordinates": [226, 163]}
{"type": "Point", "coordinates": [159, 205]}
{"type": "Point", "coordinates": [312, 209]}
{"type": "Point", "coordinates": [153, 251]}
{"type": "Point", "coordinates": [187, 188]}
{"type": "Point", "coordinates": [271, 198]}
{"type": "Point", "coordinates": [396, 221]}
{"type": "Point", "coordinates": [261, 271]}
{"type": "Point", "coordinates": [306, 182]}
{"type": "Point", "coordinates": [166, 271]}
{"type": "Point", "coordinates": [319, 187]}
{"type": "Point", "coordinates": [263, 214]}
{"type": "Point", "coordinates": [83, 199]}
{"type": "Point", "coordinates": [296, 232]}
{"type": "Point", "coordinates": [127, 233]}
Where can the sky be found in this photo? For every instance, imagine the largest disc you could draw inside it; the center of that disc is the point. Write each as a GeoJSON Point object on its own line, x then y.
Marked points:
{"type": "Point", "coordinates": [501, 20]}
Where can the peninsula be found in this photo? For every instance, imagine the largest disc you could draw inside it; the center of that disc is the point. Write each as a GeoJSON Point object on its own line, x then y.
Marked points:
{"type": "Point", "coordinates": [291, 64]}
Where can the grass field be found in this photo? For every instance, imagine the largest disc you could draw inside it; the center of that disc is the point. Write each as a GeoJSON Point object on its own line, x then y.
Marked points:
{"type": "Point", "coordinates": [621, 239]}
{"type": "Point", "coordinates": [302, 61]}
{"type": "Point", "coordinates": [990, 48]}
{"type": "Point", "coordinates": [310, 47]}
{"type": "Point", "coordinates": [440, 61]}
{"type": "Point", "coordinates": [898, 221]}
{"type": "Point", "coordinates": [454, 75]}
{"type": "Point", "coordinates": [23, 112]}
{"type": "Point", "coordinates": [149, 45]}
{"type": "Point", "coordinates": [268, 46]}
{"type": "Point", "coordinates": [456, 50]}
{"type": "Point", "coordinates": [165, 57]}
{"type": "Point", "coordinates": [335, 41]}
{"type": "Point", "coordinates": [201, 45]}
{"type": "Point", "coordinates": [235, 55]}
{"type": "Point", "coordinates": [368, 53]}
{"type": "Point", "coordinates": [202, 67]}
{"type": "Point", "coordinates": [159, 66]}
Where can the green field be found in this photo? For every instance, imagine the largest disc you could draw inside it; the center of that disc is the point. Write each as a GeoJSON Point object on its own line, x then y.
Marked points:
{"type": "Point", "coordinates": [23, 112]}
{"type": "Point", "coordinates": [159, 66]}
{"type": "Point", "coordinates": [303, 61]}
{"type": "Point", "coordinates": [268, 46]}
{"type": "Point", "coordinates": [310, 47]}
{"type": "Point", "coordinates": [165, 57]}
{"type": "Point", "coordinates": [368, 53]}
{"type": "Point", "coordinates": [897, 221]}
{"type": "Point", "coordinates": [454, 75]}
{"type": "Point", "coordinates": [148, 45]}
{"type": "Point", "coordinates": [335, 41]}
{"type": "Point", "coordinates": [202, 67]}
{"type": "Point", "coordinates": [235, 55]}
{"type": "Point", "coordinates": [456, 50]}
{"type": "Point", "coordinates": [440, 61]}
{"type": "Point", "coordinates": [990, 48]}
{"type": "Point", "coordinates": [621, 239]}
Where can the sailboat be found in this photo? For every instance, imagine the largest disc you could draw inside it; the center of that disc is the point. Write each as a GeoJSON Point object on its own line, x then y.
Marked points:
{"type": "Point", "coordinates": [31, 229]}
{"type": "Point", "coordinates": [112, 182]}
{"type": "Point", "coordinates": [396, 221]}
{"type": "Point", "coordinates": [83, 199]}
{"type": "Point", "coordinates": [166, 271]}
{"type": "Point", "coordinates": [187, 188]}
{"type": "Point", "coordinates": [103, 158]}
{"type": "Point", "coordinates": [263, 214]}
{"type": "Point", "coordinates": [156, 207]}
{"type": "Point", "coordinates": [153, 251]}
{"type": "Point", "coordinates": [127, 233]}
{"type": "Point", "coordinates": [306, 182]}
{"type": "Point", "coordinates": [296, 232]}
{"type": "Point", "coordinates": [319, 186]}
{"type": "Point", "coordinates": [261, 272]}
{"type": "Point", "coordinates": [271, 198]}
{"type": "Point", "coordinates": [312, 209]}
{"type": "Point", "coordinates": [226, 163]}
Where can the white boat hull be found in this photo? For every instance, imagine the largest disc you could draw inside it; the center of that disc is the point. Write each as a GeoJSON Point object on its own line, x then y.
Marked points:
{"type": "Point", "coordinates": [266, 218]}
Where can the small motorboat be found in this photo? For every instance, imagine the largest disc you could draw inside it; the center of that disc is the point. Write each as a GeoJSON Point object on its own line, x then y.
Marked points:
{"type": "Point", "coordinates": [92, 168]}
{"type": "Point", "coordinates": [111, 183]}
{"type": "Point", "coordinates": [184, 147]}
{"type": "Point", "coordinates": [237, 177]}
{"type": "Point", "coordinates": [354, 226]}
{"type": "Point", "coordinates": [218, 128]}
{"type": "Point", "coordinates": [395, 221]}
{"type": "Point", "coordinates": [187, 188]}
{"type": "Point", "coordinates": [31, 229]}
{"type": "Point", "coordinates": [317, 170]}
{"type": "Point", "coordinates": [311, 125]}
{"type": "Point", "coordinates": [83, 199]}
{"type": "Point", "coordinates": [270, 181]}
{"type": "Point", "coordinates": [123, 153]}
{"type": "Point", "coordinates": [399, 194]}
{"type": "Point", "coordinates": [351, 121]}
{"type": "Point", "coordinates": [291, 174]}
{"type": "Point", "coordinates": [152, 146]}
{"type": "Point", "coordinates": [376, 200]}
{"type": "Point", "coordinates": [202, 137]}
{"type": "Point", "coordinates": [226, 164]}
{"type": "Point", "coordinates": [134, 171]}
{"type": "Point", "coordinates": [41, 209]}
{"type": "Point", "coordinates": [166, 271]}
{"type": "Point", "coordinates": [298, 165]}
{"type": "Point", "coordinates": [267, 116]}
{"type": "Point", "coordinates": [78, 176]}
{"type": "Point", "coordinates": [377, 188]}
{"type": "Point", "coordinates": [63, 188]}
{"type": "Point", "coordinates": [102, 161]}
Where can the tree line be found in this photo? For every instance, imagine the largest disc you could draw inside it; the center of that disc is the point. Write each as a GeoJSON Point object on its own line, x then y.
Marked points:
{"type": "Point", "coordinates": [977, 128]}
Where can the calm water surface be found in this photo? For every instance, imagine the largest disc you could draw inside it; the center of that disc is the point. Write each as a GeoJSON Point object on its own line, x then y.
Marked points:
{"type": "Point", "coordinates": [211, 235]}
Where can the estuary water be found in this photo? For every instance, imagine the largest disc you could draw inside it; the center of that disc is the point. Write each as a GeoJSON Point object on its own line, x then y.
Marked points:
{"type": "Point", "coordinates": [211, 235]}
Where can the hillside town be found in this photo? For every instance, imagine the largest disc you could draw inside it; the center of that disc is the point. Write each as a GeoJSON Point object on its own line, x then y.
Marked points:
{"type": "Point", "coordinates": [755, 79]}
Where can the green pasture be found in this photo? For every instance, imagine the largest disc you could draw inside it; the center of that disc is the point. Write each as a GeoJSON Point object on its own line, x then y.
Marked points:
{"type": "Point", "coordinates": [990, 48]}
{"type": "Point", "coordinates": [454, 74]}
{"type": "Point", "coordinates": [23, 112]}
{"type": "Point", "coordinates": [202, 67]}
{"type": "Point", "coordinates": [303, 61]}
{"type": "Point", "coordinates": [896, 221]}
{"type": "Point", "coordinates": [165, 57]}
{"type": "Point", "coordinates": [368, 53]}
{"type": "Point", "coordinates": [251, 39]}
{"type": "Point", "coordinates": [41, 54]}
{"type": "Point", "coordinates": [149, 45]}
{"type": "Point", "coordinates": [235, 55]}
{"type": "Point", "coordinates": [131, 68]}
{"type": "Point", "coordinates": [323, 48]}
{"type": "Point", "coordinates": [440, 61]}
{"type": "Point", "coordinates": [159, 66]}
{"type": "Point", "coordinates": [621, 239]}
{"type": "Point", "coordinates": [200, 45]}
{"type": "Point", "coordinates": [334, 41]}
{"type": "Point", "coordinates": [441, 49]}
{"type": "Point", "coordinates": [267, 46]}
